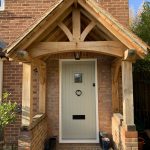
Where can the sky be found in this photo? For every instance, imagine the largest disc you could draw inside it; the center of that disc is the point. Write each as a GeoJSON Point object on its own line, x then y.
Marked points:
{"type": "Point", "coordinates": [135, 4]}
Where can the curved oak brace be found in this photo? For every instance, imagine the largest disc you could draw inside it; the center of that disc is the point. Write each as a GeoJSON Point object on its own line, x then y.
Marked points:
{"type": "Point", "coordinates": [116, 64]}
{"type": "Point", "coordinates": [87, 30]}
{"type": "Point", "coordinates": [66, 31]}
{"type": "Point", "coordinates": [106, 47]}
{"type": "Point", "coordinates": [115, 68]}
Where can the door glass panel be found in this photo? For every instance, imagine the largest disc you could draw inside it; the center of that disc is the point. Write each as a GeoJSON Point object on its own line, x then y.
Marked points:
{"type": "Point", "coordinates": [78, 78]}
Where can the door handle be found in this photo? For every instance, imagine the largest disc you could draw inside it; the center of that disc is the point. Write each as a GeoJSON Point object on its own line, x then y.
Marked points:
{"type": "Point", "coordinates": [93, 84]}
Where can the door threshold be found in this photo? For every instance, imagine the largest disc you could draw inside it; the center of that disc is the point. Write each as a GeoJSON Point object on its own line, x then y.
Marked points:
{"type": "Point", "coordinates": [78, 141]}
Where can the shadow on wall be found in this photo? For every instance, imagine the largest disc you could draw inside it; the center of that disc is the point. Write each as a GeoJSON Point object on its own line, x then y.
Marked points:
{"type": "Point", "coordinates": [2, 46]}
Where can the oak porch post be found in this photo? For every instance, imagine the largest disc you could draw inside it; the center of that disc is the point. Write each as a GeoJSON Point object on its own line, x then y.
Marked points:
{"type": "Point", "coordinates": [115, 68]}
{"type": "Point", "coordinates": [42, 88]}
{"type": "Point", "coordinates": [27, 94]}
{"type": "Point", "coordinates": [127, 91]}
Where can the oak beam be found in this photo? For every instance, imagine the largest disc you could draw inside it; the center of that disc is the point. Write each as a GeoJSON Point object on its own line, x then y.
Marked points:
{"type": "Point", "coordinates": [75, 3]}
{"type": "Point", "coordinates": [105, 21]}
{"type": "Point", "coordinates": [42, 88]}
{"type": "Point", "coordinates": [103, 29]}
{"type": "Point", "coordinates": [66, 31]}
{"type": "Point", "coordinates": [106, 47]}
{"type": "Point", "coordinates": [27, 94]}
{"type": "Point", "coordinates": [87, 30]}
{"type": "Point", "coordinates": [53, 18]}
{"type": "Point", "coordinates": [46, 34]}
{"type": "Point", "coordinates": [76, 24]}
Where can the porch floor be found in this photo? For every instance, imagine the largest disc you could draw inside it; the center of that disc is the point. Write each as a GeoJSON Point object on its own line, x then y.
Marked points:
{"type": "Point", "coordinates": [78, 147]}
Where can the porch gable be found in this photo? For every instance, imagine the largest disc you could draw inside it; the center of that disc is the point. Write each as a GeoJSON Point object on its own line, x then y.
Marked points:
{"type": "Point", "coordinates": [74, 22]}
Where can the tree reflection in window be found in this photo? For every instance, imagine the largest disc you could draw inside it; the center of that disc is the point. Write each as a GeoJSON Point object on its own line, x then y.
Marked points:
{"type": "Point", "coordinates": [78, 78]}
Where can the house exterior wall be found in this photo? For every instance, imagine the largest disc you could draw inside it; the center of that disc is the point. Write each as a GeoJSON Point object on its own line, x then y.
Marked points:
{"type": "Point", "coordinates": [14, 20]}
{"type": "Point", "coordinates": [123, 139]}
{"type": "Point", "coordinates": [34, 138]}
{"type": "Point", "coordinates": [12, 83]}
{"type": "Point", "coordinates": [104, 91]}
{"type": "Point", "coordinates": [118, 8]}
{"type": "Point", "coordinates": [19, 15]}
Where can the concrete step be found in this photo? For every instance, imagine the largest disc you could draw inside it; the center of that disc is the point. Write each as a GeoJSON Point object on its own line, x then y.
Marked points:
{"type": "Point", "coordinates": [78, 147]}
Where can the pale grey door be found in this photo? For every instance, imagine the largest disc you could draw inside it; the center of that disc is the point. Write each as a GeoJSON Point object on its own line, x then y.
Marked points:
{"type": "Point", "coordinates": [78, 104]}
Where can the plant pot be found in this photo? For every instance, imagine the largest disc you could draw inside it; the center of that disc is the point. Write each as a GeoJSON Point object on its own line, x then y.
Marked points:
{"type": "Point", "coordinates": [141, 143]}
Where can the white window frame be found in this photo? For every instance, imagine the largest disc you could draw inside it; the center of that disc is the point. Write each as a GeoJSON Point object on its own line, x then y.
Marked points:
{"type": "Point", "coordinates": [2, 5]}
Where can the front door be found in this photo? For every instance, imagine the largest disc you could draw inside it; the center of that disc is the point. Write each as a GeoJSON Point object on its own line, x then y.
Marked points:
{"type": "Point", "coordinates": [78, 101]}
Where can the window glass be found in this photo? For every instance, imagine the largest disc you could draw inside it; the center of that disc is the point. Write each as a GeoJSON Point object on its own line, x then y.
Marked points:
{"type": "Point", "coordinates": [1, 5]}
{"type": "Point", "coordinates": [78, 78]}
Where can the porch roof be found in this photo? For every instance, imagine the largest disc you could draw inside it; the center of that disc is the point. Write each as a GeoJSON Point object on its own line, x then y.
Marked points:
{"type": "Point", "coordinates": [129, 39]}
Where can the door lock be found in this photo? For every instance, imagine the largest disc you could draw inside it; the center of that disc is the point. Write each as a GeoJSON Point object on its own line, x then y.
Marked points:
{"type": "Point", "coordinates": [93, 84]}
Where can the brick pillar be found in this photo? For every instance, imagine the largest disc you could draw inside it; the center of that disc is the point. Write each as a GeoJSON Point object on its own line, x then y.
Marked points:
{"type": "Point", "coordinates": [33, 138]}
{"type": "Point", "coordinates": [129, 139]}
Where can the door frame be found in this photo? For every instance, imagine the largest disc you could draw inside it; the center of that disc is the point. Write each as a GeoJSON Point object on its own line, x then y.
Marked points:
{"type": "Point", "coordinates": [60, 103]}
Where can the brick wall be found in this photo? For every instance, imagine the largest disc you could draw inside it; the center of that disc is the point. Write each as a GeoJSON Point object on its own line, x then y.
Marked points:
{"type": "Point", "coordinates": [12, 78]}
{"type": "Point", "coordinates": [104, 91]}
{"type": "Point", "coordinates": [104, 95]}
{"type": "Point", "coordinates": [118, 8]}
{"type": "Point", "coordinates": [123, 139]}
{"type": "Point", "coordinates": [19, 14]}
{"type": "Point", "coordinates": [129, 139]}
{"type": "Point", "coordinates": [35, 137]}
{"type": "Point", "coordinates": [39, 134]}
{"type": "Point", "coordinates": [35, 92]}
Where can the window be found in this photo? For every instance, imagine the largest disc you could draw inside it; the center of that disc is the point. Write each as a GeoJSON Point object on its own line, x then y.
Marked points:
{"type": "Point", "coordinates": [78, 78]}
{"type": "Point", "coordinates": [1, 5]}
{"type": "Point", "coordinates": [2, 46]}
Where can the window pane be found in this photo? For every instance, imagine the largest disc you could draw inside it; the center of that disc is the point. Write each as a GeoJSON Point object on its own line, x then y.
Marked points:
{"type": "Point", "coordinates": [78, 77]}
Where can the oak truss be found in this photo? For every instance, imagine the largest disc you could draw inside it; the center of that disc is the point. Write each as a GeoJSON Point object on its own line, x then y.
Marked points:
{"type": "Point", "coordinates": [74, 30]}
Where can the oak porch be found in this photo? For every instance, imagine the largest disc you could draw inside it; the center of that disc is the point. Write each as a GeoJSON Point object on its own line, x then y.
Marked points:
{"type": "Point", "coordinates": [77, 26]}
{"type": "Point", "coordinates": [76, 43]}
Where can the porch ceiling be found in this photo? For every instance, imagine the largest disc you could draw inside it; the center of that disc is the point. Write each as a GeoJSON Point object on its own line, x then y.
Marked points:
{"type": "Point", "coordinates": [76, 25]}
